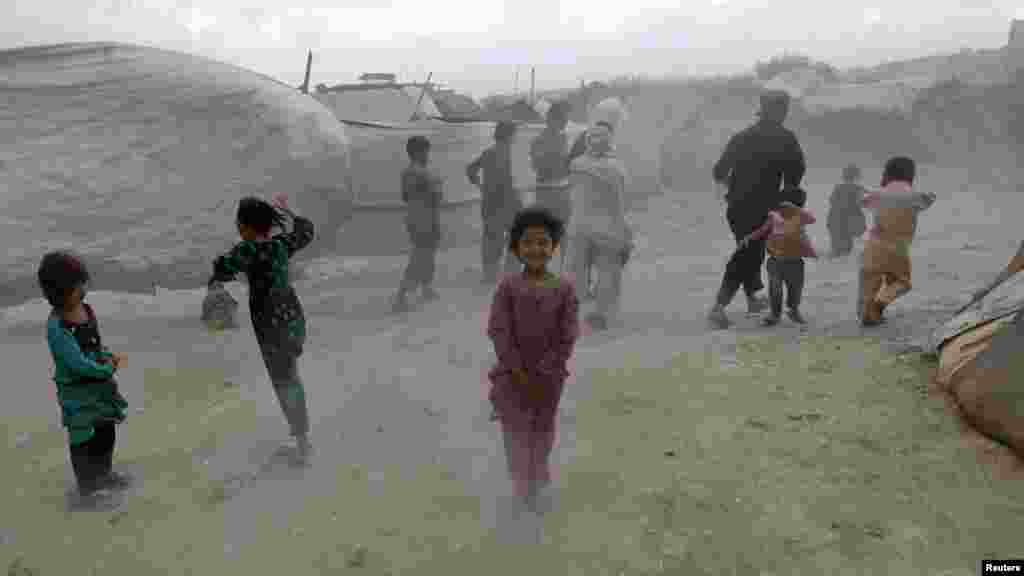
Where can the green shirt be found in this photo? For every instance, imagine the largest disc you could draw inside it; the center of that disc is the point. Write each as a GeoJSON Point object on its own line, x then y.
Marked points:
{"type": "Point", "coordinates": [86, 390]}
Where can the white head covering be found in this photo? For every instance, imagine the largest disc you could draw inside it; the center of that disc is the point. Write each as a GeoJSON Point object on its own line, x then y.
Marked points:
{"type": "Point", "coordinates": [542, 106]}
{"type": "Point", "coordinates": [610, 110]}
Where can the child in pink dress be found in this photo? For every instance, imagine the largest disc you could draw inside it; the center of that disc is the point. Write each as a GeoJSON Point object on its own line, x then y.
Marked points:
{"type": "Point", "coordinates": [534, 323]}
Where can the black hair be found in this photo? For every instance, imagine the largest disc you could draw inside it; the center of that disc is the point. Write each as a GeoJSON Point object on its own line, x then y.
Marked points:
{"type": "Point", "coordinates": [559, 110]}
{"type": "Point", "coordinates": [259, 215]}
{"type": "Point", "coordinates": [531, 217]}
{"type": "Point", "coordinates": [416, 145]}
{"type": "Point", "coordinates": [899, 169]}
{"type": "Point", "coordinates": [795, 195]}
{"type": "Point", "coordinates": [59, 274]}
{"type": "Point", "coordinates": [774, 105]}
{"type": "Point", "coordinates": [504, 130]}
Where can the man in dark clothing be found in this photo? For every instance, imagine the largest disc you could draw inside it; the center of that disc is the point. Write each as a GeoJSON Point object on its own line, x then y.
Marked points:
{"type": "Point", "coordinates": [756, 161]}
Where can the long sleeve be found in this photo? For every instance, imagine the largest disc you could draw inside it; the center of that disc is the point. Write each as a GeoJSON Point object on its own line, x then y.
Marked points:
{"type": "Point", "coordinates": [474, 167]}
{"type": "Point", "coordinates": [727, 161]}
{"type": "Point", "coordinates": [228, 266]}
{"type": "Point", "coordinates": [536, 154]}
{"type": "Point", "coordinates": [557, 357]}
{"type": "Point", "coordinates": [764, 230]}
{"type": "Point", "coordinates": [806, 217]}
{"type": "Point", "coordinates": [500, 329]}
{"type": "Point", "coordinates": [795, 165]}
{"type": "Point", "coordinates": [579, 147]}
{"type": "Point", "coordinates": [918, 200]}
{"type": "Point", "coordinates": [299, 237]}
{"type": "Point", "coordinates": [436, 187]}
{"type": "Point", "coordinates": [67, 354]}
{"type": "Point", "coordinates": [408, 185]}
{"type": "Point", "coordinates": [835, 201]}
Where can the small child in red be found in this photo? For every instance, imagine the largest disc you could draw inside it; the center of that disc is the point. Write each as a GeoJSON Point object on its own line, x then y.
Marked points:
{"type": "Point", "coordinates": [788, 245]}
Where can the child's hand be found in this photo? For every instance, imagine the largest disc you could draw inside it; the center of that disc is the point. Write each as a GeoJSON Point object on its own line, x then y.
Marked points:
{"type": "Point", "coordinates": [117, 360]}
{"type": "Point", "coordinates": [519, 377]}
{"type": "Point", "coordinates": [280, 200]}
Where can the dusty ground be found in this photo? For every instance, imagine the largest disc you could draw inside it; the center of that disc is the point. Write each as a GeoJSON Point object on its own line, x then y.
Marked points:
{"type": "Point", "coordinates": [780, 451]}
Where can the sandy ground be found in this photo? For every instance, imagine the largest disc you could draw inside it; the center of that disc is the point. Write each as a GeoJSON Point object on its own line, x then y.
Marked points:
{"type": "Point", "coordinates": [786, 451]}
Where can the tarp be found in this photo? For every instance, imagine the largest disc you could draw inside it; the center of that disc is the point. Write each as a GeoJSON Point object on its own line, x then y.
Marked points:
{"type": "Point", "coordinates": [1002, 302]}
{"type": "Point", "coordinates": [392, 105]}
{"type": "Point", "coordinates": [139, 155]}
{"type": "Point", "coordinates": [981, 363]}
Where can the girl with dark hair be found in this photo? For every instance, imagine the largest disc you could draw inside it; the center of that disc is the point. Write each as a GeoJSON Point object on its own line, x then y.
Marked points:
{"type": "Point", "coordinates": [91, 405]}
{"type": "Point", "coordinates": [277, 316]}
{"type": "Point", "coordinates": [533, 324]}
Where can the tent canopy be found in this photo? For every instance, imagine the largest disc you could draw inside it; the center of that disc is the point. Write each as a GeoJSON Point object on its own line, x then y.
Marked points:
{"type": "Point", "coordinates": [139, 155]}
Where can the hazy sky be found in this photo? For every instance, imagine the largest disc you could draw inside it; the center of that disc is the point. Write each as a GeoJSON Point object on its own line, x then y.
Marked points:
{"type": "Point", "coordinates": [476, 45]}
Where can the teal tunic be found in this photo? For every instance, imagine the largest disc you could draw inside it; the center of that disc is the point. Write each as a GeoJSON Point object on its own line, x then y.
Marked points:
{"type": "Point", "coordinates": [86, 389]}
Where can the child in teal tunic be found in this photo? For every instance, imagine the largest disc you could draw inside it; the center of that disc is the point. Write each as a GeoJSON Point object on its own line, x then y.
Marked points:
{"type": "Point", "coordinates": [91, 405]}
{"type": "Point", "coordinates": [277, 316]}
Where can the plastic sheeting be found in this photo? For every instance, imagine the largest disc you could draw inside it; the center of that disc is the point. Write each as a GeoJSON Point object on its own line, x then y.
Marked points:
{"type": "Point", "coordinates": [139, 155]}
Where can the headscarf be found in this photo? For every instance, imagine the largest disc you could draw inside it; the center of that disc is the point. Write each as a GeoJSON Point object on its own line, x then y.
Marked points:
{"type": "Point", "coordinates": [606, 119]}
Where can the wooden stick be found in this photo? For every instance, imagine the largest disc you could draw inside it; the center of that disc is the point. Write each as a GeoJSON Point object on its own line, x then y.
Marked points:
{"type": "Point", "coordinates": [419, 101]}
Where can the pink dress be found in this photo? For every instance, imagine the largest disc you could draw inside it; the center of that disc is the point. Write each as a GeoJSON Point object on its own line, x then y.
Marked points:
{"type": "Point", "coordinates": [533, 328]}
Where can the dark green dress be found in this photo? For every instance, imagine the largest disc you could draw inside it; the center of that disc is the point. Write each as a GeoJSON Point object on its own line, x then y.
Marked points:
{"type": "Point", "coordinates": [86, 389]}
{"type": "Point", "coordinates": [277, 316]}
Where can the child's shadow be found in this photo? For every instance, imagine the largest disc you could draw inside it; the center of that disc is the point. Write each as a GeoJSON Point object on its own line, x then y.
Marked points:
{"type": "Point", "coordinates": [283, 463]}
{"type": "Point", "coordinates": [284, 459]}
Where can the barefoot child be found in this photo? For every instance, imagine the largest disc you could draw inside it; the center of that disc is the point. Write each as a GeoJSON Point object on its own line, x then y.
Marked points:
{"type": "Point", "coordinates": [787, 246]}
{"type": "Point", "coordinates": [500, 201]}
{"type": "Point", "coordinates": [534, 323]}
{"type": "Point", "coordinates": [277, 316]}
{"type": "Point", "coordinates": [885, 267]}
{"type": "Point", "coordinates": [421, 191]}
{"type": "Point", "coordinates": [91, 405]}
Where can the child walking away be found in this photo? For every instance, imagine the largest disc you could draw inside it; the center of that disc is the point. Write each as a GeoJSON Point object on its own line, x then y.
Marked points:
{"type": "Point", "coordinates": [421, 191]}
{"type": "Point", "coordinates": [277, 316]}
{"type": "Point", "coordinates": [534, 323]}
{"type": "Point", "coordinates": [500, 200]}
{"type": "Point", "coordinates": [91, 405]}
{"type": "Point", "coordinates": [787, 246]}
{"type": "Point", "coordinates": [845, 216]}
{"type": "Point", "coordinates": [885, 267]}
{"type": "Point", "coordinates": [549, 157]}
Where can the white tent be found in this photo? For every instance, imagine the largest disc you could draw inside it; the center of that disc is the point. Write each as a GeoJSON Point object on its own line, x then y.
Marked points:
{"type": "Point", "coordinates": [139, 155]}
